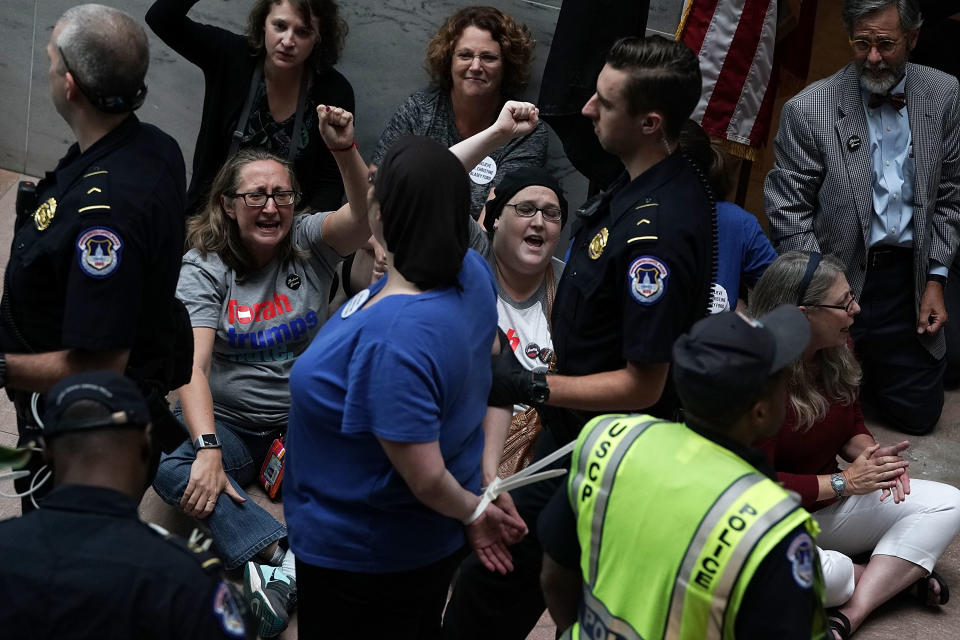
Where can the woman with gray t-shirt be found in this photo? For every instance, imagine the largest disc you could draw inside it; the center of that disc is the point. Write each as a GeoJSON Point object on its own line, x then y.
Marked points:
{"type": "Point", "coordinates": [255, 280]}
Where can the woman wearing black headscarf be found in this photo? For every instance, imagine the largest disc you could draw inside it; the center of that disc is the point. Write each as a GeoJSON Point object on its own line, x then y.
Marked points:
{"type": "Point", "coordinates": [385, 435]}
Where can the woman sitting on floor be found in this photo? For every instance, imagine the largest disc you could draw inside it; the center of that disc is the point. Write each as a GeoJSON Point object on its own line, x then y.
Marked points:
{"type": "Point", "coordinates": [872, 506]}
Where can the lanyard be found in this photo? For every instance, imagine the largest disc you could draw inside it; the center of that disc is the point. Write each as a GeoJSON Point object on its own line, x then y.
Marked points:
{"type": "Point", "coordinates": [248, 105]}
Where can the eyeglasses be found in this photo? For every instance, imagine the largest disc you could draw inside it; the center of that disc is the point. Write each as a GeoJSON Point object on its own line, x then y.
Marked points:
{"type": "Point", "coordinates": [528, 210]}
{"type": "Point", "coordinates": [883, 45]}
{"type": "Point", "coordinates": [257, 199]}
{"type": "Point", "coordinates": [845, 307]}
{"type": "Point", "coordinates": [485, 58]}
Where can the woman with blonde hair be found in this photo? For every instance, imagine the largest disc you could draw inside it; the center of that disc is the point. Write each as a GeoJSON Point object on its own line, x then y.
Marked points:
{"type": "Point", "coordinates": [254, 280]}
{"type": "Point", "coordinates": [871, 506]}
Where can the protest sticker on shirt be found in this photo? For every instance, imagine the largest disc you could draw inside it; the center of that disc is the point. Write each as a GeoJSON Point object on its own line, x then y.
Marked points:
{"type": "Point", "coordinates": [484, 172]}
{"type": "Point", "coordinates": [719, 300]}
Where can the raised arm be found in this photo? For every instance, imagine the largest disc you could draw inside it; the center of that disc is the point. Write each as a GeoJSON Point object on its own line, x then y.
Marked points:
{"type": "Point", "coordinates": [199, 43]}
{"type": "Point", "coordinates": [346, 229]}
{"type": "Point", "coordinates": [516, 119]}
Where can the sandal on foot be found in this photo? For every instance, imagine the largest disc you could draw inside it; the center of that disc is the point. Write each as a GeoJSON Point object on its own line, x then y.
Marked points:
{"type": "Point", "coordinates": [921, 589]}
{"type": "Point", "coordinates": [839, 623]}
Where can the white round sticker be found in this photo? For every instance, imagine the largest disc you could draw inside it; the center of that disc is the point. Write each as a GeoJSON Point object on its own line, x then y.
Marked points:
{"type": "Point", "coordinates": [355, 303]}
{"type": "Point", "coordinates": [719, 300]}
{"type": "Point", "coordinates": [484, 172]}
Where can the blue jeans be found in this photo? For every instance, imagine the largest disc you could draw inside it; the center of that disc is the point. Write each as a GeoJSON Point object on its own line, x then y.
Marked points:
{"type": "Point", "coordinates": [239, 530]}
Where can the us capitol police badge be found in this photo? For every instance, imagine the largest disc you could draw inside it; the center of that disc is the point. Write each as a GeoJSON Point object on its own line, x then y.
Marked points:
{"type": "Point", "coordinates": [598, 244]}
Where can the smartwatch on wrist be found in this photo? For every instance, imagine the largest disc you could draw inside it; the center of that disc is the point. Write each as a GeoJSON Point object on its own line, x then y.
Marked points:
{"type": "Point", "coordinates": [838, 484]}
{"type": "Point", "coordinates": [206, 441]}
{"type": "Point", "coordinates": [539, 390]}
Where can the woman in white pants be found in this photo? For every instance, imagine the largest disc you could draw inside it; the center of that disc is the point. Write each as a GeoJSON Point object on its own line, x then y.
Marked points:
{"type": "Point", "coordinates": [872, 506]}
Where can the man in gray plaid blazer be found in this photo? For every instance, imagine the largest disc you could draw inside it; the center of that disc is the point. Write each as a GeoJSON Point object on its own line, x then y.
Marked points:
{"type": "Point", "coordinates": [868, 169]}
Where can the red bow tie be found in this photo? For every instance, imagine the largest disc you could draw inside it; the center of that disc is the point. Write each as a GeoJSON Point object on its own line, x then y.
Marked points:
{"type": "Point", "coordinates": [897, 100]}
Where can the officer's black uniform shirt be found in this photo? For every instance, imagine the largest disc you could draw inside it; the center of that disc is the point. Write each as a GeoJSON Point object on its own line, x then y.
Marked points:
{"type": "Point", "coordinates": [775, 604]}
{"type": "Point", "coordinates": [638, 273]}
{"type": "Point", "coordinates": [95, 266]}
{"type": "Point", "coordinates": [85, 566]}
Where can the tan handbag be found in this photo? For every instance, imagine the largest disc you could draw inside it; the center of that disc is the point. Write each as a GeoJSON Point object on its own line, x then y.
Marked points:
{"type": "Point", "coordinates": [526, 425]}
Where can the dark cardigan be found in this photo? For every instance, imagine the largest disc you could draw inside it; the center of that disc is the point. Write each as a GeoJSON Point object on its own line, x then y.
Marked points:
{"type": "Point", "coordinates": [227, 65]}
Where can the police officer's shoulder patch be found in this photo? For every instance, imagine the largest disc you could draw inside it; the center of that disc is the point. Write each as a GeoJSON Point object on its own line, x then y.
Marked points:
{"type": "Point", "coordinates": [226, 608]}
{"type": "Point", "coordinates": [99, 250]}
{"type": "Point", "coordinates": [800, 553]}
{"type": "Point", "coordinates": [647, 279]}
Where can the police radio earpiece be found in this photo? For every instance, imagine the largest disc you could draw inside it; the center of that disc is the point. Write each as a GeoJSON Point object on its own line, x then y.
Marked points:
{"type": "Point", "coordinates": [107, 104]}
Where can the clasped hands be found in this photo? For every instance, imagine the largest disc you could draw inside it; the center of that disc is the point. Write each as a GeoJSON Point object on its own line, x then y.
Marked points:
{"type": "Point", "coordinates": [880, 468]}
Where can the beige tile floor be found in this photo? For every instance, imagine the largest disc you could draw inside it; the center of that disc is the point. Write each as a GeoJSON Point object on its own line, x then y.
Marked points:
{"type": "Point", "coordinates": [935, 457]}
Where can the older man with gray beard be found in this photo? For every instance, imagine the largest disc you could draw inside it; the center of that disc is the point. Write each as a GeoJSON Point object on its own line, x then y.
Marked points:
{"type": "Point", "coordinates": [868, 168]}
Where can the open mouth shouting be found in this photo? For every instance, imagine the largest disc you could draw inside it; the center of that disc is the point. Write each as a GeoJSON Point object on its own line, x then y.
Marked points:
{"type": "Point", "coordinates": [533, 240]}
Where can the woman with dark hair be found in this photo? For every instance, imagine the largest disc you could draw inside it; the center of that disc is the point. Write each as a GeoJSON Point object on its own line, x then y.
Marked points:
{"type": "Point", "coordinates": [872, 506]}
{"type": "Point", "coordinates": [479, 59]}
{"type": "Point", "coordinates": [387, 418]}
{"type": "Point", "coordinates": [743, 250]}
{"type": "Point", "coordinates": [254, 280]}
{"type": "Point", "coordinates": [262, 88]}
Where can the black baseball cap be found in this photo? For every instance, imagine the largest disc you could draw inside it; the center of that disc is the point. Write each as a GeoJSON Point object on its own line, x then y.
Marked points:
{"type": "Point", "coordinates": [115, 392]}
{"type": "Point", "coordinates": [727, 357]}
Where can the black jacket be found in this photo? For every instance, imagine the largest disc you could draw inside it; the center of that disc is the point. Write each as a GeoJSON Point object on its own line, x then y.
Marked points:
{"type": "Point", "coordinates": [228, 64]}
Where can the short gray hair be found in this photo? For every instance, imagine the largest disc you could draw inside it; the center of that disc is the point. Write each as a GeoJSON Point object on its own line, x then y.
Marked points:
{"type": "Point", "coordinates": [106, 49]}
{"type": "Point", "coordinates": [855, 10]}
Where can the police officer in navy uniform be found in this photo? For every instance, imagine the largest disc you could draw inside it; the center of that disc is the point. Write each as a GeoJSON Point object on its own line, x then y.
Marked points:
{"type": "Point", "coordinates": [83, 565]}
{"type": "Point", "coordinates": [638, 275]}
{"type": "Point", "coordinates": [731, 373]}
{"type": "Point", "coordinates": [96, 252]}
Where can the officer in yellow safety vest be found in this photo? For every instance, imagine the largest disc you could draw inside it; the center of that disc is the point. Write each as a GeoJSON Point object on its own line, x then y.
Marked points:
{"type": "Point", "coordinates": [677, 531]}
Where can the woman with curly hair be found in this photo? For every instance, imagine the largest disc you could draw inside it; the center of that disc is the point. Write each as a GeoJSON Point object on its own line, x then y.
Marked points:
{"type": "Point", "coordinates": [479, 59]}
{"type": "Point", "coordinates": [872, 506]}
{"type": "Point", "coordinates": [262, 88]}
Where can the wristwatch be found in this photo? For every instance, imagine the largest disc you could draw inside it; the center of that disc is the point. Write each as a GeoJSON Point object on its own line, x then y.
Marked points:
{"type": "Point", "coordinates": [3, 370]}
{"type": "Point", "coordinates": [207, 441]}
{"type": "Point", "coordinates": [539, 390]}
{"type": "Point", "coordinates": [838, 484]}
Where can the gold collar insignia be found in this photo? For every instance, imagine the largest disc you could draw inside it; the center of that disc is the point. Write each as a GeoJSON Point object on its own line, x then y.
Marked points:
{"type": "Point", "coordinates": [598, 244]}
{"type": "Point", "coordinates": [43, 216]}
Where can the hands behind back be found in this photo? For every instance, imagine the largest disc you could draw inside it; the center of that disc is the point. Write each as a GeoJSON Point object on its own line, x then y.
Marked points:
{"type": "Point", "coordinates": [486, 536]}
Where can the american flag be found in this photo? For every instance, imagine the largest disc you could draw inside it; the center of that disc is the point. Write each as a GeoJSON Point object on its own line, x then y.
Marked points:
{"type": "Point", "coordinates": [735, 41]}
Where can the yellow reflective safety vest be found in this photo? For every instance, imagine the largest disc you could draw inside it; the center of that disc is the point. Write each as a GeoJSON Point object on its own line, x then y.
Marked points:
{"type": "Point", "coordinates": [672, 528]}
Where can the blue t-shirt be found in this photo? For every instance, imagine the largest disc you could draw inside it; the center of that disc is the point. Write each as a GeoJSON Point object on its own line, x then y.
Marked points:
{"type": "Point", "coordinates": [743, 250]}
{"type": "Point", "coordinates": [410, 368]}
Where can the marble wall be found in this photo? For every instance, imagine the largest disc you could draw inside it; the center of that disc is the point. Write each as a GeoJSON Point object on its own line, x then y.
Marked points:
{"type": "Point", "coordinates": [383, 60]}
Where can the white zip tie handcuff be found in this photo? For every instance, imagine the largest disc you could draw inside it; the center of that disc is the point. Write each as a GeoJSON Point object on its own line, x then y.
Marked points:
{"type": "Point", "coordinates": [43, 473]}
{"type": "Point", "coordinates": [521, 478]}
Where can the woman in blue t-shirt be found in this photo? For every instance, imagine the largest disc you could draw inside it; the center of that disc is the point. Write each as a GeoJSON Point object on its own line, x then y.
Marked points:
{"type": "Point", "coordinates": [386, 431]}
